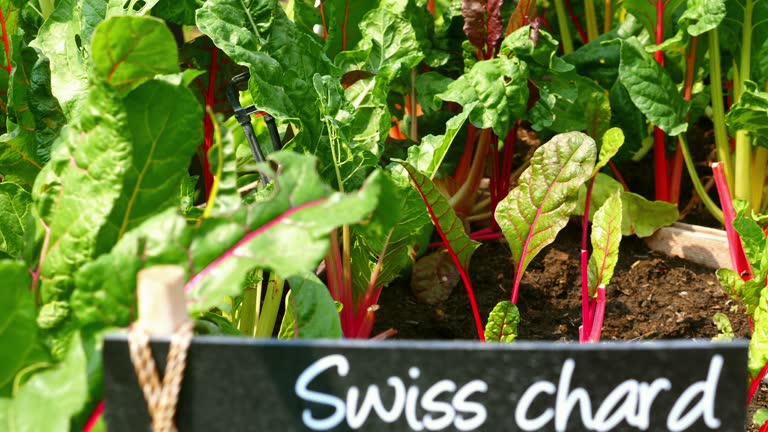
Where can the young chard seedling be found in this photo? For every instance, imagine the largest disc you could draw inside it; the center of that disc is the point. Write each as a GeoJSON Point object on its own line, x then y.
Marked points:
{"type": "Point", "coordinates": [606, 235]}
{"type": "Point", "coordinates": [536, 210]}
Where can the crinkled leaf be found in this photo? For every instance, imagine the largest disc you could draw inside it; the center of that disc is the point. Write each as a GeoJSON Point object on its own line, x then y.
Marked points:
{"type": "Point", "coordinates": [76, 191]}
{"type": "Point", "coordinates": [236, 27]}
{"type": "Point", "coordinates": [502, 323]}
{"type": "Point", "coordinates": [753, 241]}
{"type": "Point", "coordinates": [164, 126]}
{"type": "Point", "coordinates": [15, 213]}
{"type": "Point", "coordinates": [62, 390]}
{"type": "Point", "coordinates": [443, 216]}
{"type": "Point", "coordinates": [569, 102]}
{"type": "Point", "coordinates": [748, 293]}
{"type": "Point", "coordinates": [304, 227]}
{"type": "Point", "coordinates": [500, 86]}
{"type": "Point", "coordinates": [482, 22]}
{"type": "Point", "coordinates": [105, 297]}
{"type": "Point", "coordinates": [750, 114]}
{"type": "Point", "coordinates": [540, 55]}
{"type": "Point", "coordinates": [391, 41]}
{"type": "Point", "coordinates": [433, 277]}
{"type": "Point", "coordinates": [130, 7]}
{"type": "Point", "coordinates": [35, 116]}
{"type": "Point", "coordinates": [282, 60]}
{"type": "Point", "coordinates": [760, 417]}
{"type": "Point", "coordinates": [539, 207]}
{"type": "Point", "coordinates": [427, 156]}
{"type": "Point", "coordinates": [65, 38]}
{"type": "Point", "coordinates": [629, 119]}
{"type": "Point", "coordinates": [18, 332]}
{"type": "Point", "coordinates": [701, 16]}
{"type": "Point", "coordinates": [341, 160]}
{"type": "Point", "coordinates": [758, 344]}
{"type": "Point", "coordinates": [128, 50]}
{"type": "Point", "coordinates": [606, 236]}
{"type": "Point", "coordinates": [310, 312]}
{"type": "Point", "coordinates": [724, 327]}
{"type": "Point", "coordinates": [651, 89]}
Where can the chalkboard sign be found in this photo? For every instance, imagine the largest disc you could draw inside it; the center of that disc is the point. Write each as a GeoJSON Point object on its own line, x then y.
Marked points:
{"type": "Point", "coordinates": [239, 384]}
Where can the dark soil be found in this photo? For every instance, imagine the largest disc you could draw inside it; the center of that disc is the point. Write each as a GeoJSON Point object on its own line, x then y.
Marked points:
{"type": "Point", "coordinates": [650, 297]}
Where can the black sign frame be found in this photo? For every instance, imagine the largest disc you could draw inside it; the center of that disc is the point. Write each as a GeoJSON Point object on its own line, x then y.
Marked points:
{"type": "Point", "coordinates": [253, 384]}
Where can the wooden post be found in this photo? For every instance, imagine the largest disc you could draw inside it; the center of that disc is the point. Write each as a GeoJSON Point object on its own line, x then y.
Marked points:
{"type": "Point", "coordinates": [162, 304]}
{"type": "Point", "coordinates": [162, 312]}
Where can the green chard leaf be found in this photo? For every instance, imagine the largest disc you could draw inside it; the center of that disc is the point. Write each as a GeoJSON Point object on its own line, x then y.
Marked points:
{"type": "Point", "coordinates": [305, 226]}
{"type": "Point", "coordinates": [36, 116]}
{"type": "Point", "coordinates": [310, 312]}
{"type": "Point", "coordinates": [749, 114]}
{"type": "Point", "coordinates": [398, 240]}
{"type": "Point", "coordinates": [282, 60]}
{"type": "Point", "coordinates": [502, 323]}
{"type": "Point", "coordinates": [17, 319]}
{"type": "Point", "coordinates": [760, 417]}
{"type": "Point", "coordinates": [295, 215]}
{"type": "Point", "coordinates": [651, 89]}
{"type": "Point", "coordinates": [62, 389]}
{"type": "Point", "coordinates": [758, 344]}
{"type": "Point", "coordinates": [724, 327]}
{"type": "Point", "coordinates": [65, 38]}
{"type": "Point", "coordinates": [500, 86]}
{"type": "Point", "coordinates": [747, 293]}
{"type": "Point", "coordinates": [570, 102]}
{"type": "Point", "coordinates": [129, 50]}
{"type": "Point", "coordinates": [73, 205]}
{"type": "Point", "coordinates": [427, 156]}
{"type": "Point", "coordinates": [389, 43]}
{"type": "Point", "coordinates": [541, 56]}
{"type": "Point", "coordinates": [15, 218]}
{"type": "Point", "coordinates": [610, 145]}
{"type": "Point", "coordinates": [539, 207]}
{"type": "Point", "coordinates": [428, 85]}
{"type": "Point", "coordinates": [606, 236]}
{"type": "Point", "coordinates": [754, 242]}
{"type": "Point", "coordinates": [443, 216]}
{"type": "Point", "coordinates": [164, 125]}
{"type": "Point", "coordinates": [701, 16]}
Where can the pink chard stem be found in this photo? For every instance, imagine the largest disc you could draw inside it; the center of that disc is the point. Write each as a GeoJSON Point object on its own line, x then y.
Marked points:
{"type": "Point", "coordinates": [584, 255]}
{"type": "Point", "coordinates": [738, 257]}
